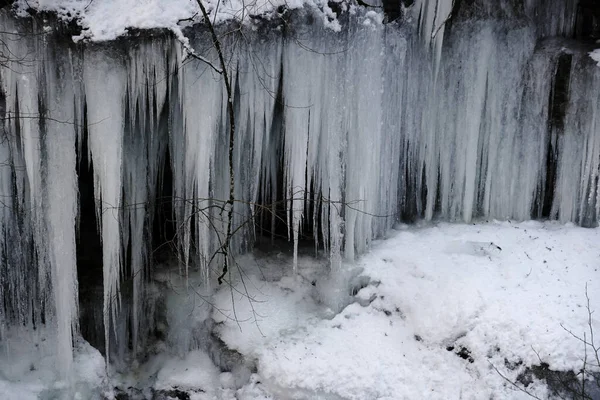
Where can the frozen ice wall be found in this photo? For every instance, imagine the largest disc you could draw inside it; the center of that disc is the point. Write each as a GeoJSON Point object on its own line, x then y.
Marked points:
{"type": "Point", "coordinates": [39, 191]}
{"type": "Point", "coordinates": [339, 135]}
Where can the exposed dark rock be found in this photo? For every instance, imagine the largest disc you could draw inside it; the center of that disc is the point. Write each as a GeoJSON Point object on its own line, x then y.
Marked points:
{"type": "Point", "coordinates": [512, 365]}
{"type": "Point", "coordinates": [559, 96]}
{"type": "Point", "coordinates": [129, 393]}
{"type": "Point", "coordinates": [4, 3]}
{"type": "Point", "coordinates": [226, 359]}
{"type": "Point", "coordinates": [588, 19]}
{"type": "Point", "coordinates": [465, 354]}
{"type": "Point", "coordinates": [392, 10]}
{"type": "Point", "coordinates": [462, 352]}
{"type": "Point", "coordinates": [564, 384]}
{"type": "Point", "coordinates": [173, 394]}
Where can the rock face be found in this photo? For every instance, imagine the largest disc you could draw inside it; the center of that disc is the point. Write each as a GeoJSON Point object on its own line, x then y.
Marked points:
{"type": "Point", "coordinates": [588, 19]}
{"type": "Point", "coordinates": [113, 150]}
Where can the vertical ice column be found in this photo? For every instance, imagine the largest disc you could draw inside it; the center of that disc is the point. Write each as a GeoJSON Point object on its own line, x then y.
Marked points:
{"type": "Point", "coordinates": [461, 108]}
{"type": "Point", "coordinates": [473, 125]}
{"type": "Point", "coordinates": [392, 149]}
{"type": "Point", "coordinates": [333, 135]}
{"type": "Point", "coordinates": [469, 124]}
{"type": "Point", "coordinates": [414, 123]}
{"type": "Point", "coordinates": [299, 75]}
{"type": "Point", "coordinates": [105, 83]}
{"type": "Point", "coordinates": [6, 193]}
{"type": "Point", "coordinates": [432, 17]}
{"type": "Point", "coordinates": [330, 151]}
{"type": "Point", "coordinates": [325, 151]}
{"type": "Point", "coordinates": [21, 86]}
{"type": "Point", "coordinates": [201, 98]}
{"type": "Point", "coordinates": [61, 201]}
{"type": "Point", "coordinates": [41, 132]}
{"type": "Point", "coordinates": [514, 195]}
{"type": "Point", "coordinates": [576, 192]}
{"type": "Point", "coordinates": [258, 70]}
{"type": "Point", "coordinates": [552, 17]}
{"type": "Point", "coordinates": [364, 135]}
{"type": "Point", "coordinates": [27, 264]}
{"type": "Point", "coordinates": [505, 189]}
{"type": "Point", "coordinates": [21, 183]}
{"type": "Point", "coordinates": [145, 145]}
{"type": "Point", "coordinates": [314, 84]}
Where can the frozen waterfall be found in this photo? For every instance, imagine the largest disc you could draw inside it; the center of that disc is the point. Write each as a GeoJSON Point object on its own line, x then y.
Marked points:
{"type": "Point", "coordinates": [339, 136]}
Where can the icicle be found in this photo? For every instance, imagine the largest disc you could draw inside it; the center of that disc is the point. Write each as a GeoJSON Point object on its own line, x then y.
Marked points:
{"type": "Point", "coordinates": [579, 162]}
{"type": "Point", "coordinates": [258, 77]}
{"type": "Point", "coordinates": [432, 17]}
{"type": "Point", "coordinates": [553, 17]}
{"type": "Point", "coordinates": [21, 181]}
{"type": "Point", "coordinates": [201, 97]}
{"type": "Point", "coordinates": [364, 124]}
{"type": "Point", "coordinates": [40, 136]}
{"type": "Point", "coordinates": [145, 142]}
{"type": "Point", "coordinates": [299, 72]}
{"type": "Point", "coordinates": [105, 84]}
{"type": "Point", "coordinates": [61, 198]}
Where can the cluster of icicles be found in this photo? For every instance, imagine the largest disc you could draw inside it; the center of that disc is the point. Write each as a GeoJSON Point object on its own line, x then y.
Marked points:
{"type": "Point", "coordinates": [350, 131]}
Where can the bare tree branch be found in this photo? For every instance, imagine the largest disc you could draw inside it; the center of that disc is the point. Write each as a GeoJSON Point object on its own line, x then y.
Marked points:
{"type": "Point", "coordinates": [515, 385]}
{"type": "Point", "coordinates": [230, 112]}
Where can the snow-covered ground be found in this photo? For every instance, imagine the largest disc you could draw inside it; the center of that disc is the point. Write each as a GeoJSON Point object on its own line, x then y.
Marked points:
{"type": "Point", "coordinates": [27, 370]}
{"type": "Point", "coordinates": [500, 290]}
{"type": "Point", "coordinates": [390, 325]}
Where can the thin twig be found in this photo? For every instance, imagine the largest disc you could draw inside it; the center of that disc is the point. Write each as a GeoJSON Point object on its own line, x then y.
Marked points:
{"type": "Point", "coordinates": [513, 383]}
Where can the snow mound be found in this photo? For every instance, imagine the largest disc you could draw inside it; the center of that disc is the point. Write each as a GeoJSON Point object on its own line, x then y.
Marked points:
{"type": "Point", "coordinates": [443, 306]}
{"type": "Point", "coordinates": [195, 370]}
{"type": "Point", "coordinates": [27, 369]}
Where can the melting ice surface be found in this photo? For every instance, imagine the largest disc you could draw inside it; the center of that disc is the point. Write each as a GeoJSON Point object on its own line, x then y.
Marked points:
{"type": "Point", "coordinates": [339, 134]}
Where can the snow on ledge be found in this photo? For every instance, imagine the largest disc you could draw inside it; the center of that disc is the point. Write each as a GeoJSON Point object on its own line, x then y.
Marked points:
{"type": "Point", "coordinates": [595, 55]}
{"type": "Point", "coordinates": [105, 20]}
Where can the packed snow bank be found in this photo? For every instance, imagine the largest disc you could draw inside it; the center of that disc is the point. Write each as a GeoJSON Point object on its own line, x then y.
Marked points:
{"type": "Point", "coordinates": [500, 290]}
{"type": "Point", "coordinates": [27, 369]}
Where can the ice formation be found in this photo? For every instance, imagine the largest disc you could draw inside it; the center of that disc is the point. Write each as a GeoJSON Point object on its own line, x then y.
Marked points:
{"type": "Point", "coordinates": [339, 135]}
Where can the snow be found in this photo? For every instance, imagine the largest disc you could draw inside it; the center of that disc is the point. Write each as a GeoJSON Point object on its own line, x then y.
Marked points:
{"type": "Point", "coordinates": [371, 128]}
{"type": "Point", "coordinates": [109, 19]}
{"type": "Point", "coordinates": [104, 20]}
{"type": "Point", "coordinates": [502, 290]}
{"type": "Point", "coordinates": [27, 369]}
{"type": "Point", "coordinates": [595, 55]}
{"type": "Point", "coordinates": [196, 370]}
